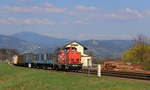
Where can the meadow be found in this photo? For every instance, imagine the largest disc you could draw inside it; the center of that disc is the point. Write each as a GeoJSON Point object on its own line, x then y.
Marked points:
{"type": "Point", "coordinates": [19, 78]}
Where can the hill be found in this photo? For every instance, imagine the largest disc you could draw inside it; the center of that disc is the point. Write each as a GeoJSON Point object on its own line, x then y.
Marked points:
{"type": "Point", "coordinates": [107, 48]}
{"type": "Point", "coordinates": [41, 40]}
{"type": "Point", "coordinates": [15, 43]}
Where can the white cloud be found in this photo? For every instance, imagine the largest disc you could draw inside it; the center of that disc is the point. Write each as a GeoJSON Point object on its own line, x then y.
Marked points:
{"type": "Point", "coordinates": [80, 22]}
{"type": "Point", "coordinates": [34, 9]}
{"type": "Point", "coordinates": [124, 14]}
{"type": "Point", "coordinates": [64, 23]}
{"type": "Point", "coordinates": [37, 21]}
{"type": "Point", "coordinates": [146, 12]}
{"type": "Point", "coordinates": [114, 16]}
{"type": "Point", "coordinates": [133, 12]}
{"type": "Point", "coordinates": [24, 0]}
{"type": "Point", "coordinates": [85, 8]}
{"type": "Point", "coordinates": [74, 22]}
{"type": "Point", "coordinates": [25, 21]}
{"type": "Point", "coordinates": [47, 4]}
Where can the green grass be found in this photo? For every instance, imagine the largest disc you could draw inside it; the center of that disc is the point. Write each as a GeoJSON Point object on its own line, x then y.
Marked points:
{"type": "Point", "coordinates": [16, 78]}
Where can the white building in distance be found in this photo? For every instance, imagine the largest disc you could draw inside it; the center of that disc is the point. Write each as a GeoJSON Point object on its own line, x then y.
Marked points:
{"type": "Point", "coordinates": [86, 60]}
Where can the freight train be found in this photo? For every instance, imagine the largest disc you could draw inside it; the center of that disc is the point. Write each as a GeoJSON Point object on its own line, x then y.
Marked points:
{"type": "Point", "coordinates": [66, 59]}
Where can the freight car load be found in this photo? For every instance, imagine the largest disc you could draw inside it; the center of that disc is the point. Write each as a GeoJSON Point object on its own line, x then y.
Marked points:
{"type": "Point", "coordinates": [34, 60]}
{"type": "Point", "coordinates": [67, 59]}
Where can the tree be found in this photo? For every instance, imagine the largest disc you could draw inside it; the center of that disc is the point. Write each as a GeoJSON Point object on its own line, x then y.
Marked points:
{"type": "Point", "coordinates": [139, 53]}
{"type": "Point", "coordinates": [6, 54]}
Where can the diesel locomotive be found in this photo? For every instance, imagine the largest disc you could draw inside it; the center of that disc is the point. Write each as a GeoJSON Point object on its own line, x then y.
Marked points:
{"type": "Point", "coordinates": [66, 59]}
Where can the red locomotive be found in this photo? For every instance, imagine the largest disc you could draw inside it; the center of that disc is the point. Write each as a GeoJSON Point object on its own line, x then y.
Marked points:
{"type": "Point", "coordinates": [69, 59]}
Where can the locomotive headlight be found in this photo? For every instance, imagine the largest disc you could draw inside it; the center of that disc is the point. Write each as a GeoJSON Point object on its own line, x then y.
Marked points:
{"type": "Point", "coordinates": [75, 65]}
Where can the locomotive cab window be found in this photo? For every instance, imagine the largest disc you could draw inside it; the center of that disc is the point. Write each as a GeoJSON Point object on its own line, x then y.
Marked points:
{"type": "Point", "coordinates": [72, 59]}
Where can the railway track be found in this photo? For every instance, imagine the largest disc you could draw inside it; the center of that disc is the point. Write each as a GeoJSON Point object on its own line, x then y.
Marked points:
{"type": "Point", "coordinates": [132, 75]}
{"type": "Point", "coordinates": [128, 75]}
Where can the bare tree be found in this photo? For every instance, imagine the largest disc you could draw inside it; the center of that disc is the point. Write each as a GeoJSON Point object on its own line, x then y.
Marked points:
{"type": "Point", "coordinates": [141, 42]}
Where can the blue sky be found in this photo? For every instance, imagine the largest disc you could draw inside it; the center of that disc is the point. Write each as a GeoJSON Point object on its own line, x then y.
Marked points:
{"type": "Point", "coordinates": [76, 19]}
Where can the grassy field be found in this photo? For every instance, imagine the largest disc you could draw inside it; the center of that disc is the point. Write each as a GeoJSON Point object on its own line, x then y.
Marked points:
{"type": "Point", "coordinates": [16, 78]}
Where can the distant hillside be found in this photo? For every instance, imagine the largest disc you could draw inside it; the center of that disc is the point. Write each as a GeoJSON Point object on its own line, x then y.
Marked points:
{"type": "Point", "coordinates": [15, 43]}
{"type": "Point", "coordinates": [101, 48]}
{"type": "Point", "coordinates": [43, 41]}
{"type": "Point", "coordinates": [107, 48]}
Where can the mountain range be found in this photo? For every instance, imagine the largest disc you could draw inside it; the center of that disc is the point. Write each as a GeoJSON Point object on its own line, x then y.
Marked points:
{"type": "Point", "coordinates": [29, 41]}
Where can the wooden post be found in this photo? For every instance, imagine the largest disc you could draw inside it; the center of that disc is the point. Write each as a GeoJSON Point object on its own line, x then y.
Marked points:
{"type": "Point", "coordinates": [99, 70]}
